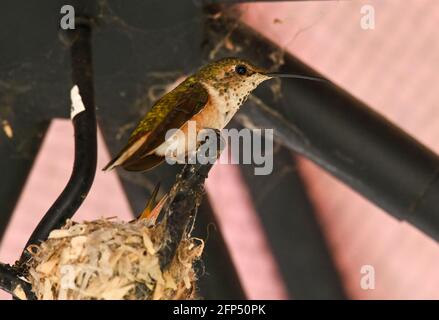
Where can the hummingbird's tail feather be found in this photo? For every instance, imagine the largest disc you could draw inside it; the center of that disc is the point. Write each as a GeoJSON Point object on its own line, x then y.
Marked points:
{"type": "Point", "coordinates": [143, 164]}
{"type": "Point", "coordinates": [131, 150]}
{"type": "Point", "coordinates": [110, 165]}
{"type": "Point", "coordinates": [116, 161]}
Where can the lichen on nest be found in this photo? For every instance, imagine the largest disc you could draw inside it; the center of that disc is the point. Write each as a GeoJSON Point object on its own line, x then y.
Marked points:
{"type": "Point", "coordinates": [106, 259]}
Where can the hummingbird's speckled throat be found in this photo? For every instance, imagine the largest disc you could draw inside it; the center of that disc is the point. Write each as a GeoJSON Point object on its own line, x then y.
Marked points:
{"type": "Point", "coordinates": [226, 98]}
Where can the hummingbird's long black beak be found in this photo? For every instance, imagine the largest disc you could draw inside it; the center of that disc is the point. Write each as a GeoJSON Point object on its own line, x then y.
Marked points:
{"type": "Point", "coordinates": [295, 76]}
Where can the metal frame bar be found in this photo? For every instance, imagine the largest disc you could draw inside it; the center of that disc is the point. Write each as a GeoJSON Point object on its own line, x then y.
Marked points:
{"type": "Point", "coordinates": [290, 223]}
{"type": "Point", "coordinates": [16, 163]}
{"type": "Point", "coordinates": [218, 277]}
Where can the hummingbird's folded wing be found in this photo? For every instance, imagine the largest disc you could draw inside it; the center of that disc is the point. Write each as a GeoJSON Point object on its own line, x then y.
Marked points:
{"type": "Point", "coordinates": [185, 103]}
{"type": "Point", "coordinates": [172, 111]}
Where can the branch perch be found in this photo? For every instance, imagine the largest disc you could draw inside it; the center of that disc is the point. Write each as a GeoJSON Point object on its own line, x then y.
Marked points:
{"type": "Point", "coordinates": [183, 202]}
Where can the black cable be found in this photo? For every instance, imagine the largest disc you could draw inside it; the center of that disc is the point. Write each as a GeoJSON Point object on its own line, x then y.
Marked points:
{"type": "Point", "coordinates": [11, 282]}
{"type": "Point", "coordinates": [84, 123]}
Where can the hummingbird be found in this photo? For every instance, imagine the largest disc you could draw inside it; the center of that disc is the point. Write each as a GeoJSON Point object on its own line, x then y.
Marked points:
{"type": "Point", "coordinates": [210, 97]}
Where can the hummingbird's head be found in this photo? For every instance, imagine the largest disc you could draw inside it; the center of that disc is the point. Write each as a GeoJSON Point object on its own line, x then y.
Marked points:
{"type": "Point", "coordinates": [232, 74]}
{"type": "Point", "coordinates": [231, 80]}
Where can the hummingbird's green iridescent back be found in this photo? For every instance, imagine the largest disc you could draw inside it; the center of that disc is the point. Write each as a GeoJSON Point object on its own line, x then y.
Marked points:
{"type": "Point", "coordinates": [187, 95]}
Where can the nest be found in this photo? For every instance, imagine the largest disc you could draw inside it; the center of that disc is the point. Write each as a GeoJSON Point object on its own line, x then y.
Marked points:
{"type": "Point", "coordinates": [106, 259]}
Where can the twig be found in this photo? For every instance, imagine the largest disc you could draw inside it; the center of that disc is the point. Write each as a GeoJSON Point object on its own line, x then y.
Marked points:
{"type": "Point", "coordinates": [183, 202]}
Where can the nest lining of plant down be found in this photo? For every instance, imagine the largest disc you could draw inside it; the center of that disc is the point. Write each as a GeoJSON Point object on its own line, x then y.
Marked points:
{"type": "Point", "coordinates": [107, 259]}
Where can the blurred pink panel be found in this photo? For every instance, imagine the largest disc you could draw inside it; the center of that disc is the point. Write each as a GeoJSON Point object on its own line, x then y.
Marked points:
{"type": "Point", "coordinates": [47, 179]}
{"type": "Point", "coordinates": [393, 68]}
{"type": "Point", "coordinates": [243, 233]}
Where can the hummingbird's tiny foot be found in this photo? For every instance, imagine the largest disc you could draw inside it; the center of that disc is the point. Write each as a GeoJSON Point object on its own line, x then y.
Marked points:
{"type": "Point", "coordinates": [221, 142]}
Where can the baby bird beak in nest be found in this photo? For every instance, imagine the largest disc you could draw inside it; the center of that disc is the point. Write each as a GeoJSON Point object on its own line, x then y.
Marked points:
{"type": "Point", "coordinates": [153, 208]}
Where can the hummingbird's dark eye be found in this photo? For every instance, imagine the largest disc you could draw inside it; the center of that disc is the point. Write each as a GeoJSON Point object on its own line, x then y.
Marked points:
{"type": "Point", "coordinates": [241, 69]}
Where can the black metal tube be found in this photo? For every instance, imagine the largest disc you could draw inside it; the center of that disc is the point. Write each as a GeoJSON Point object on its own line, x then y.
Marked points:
{"type": "Point", "coordinates": [10, 282]}
{"type": "Point", "coordinates": [84, 123]}
{"type": "Point", "coordinates": [352, 142]}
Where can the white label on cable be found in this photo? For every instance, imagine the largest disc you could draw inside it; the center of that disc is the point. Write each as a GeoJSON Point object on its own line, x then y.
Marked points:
{"type": "Point", "coordinates": [77, 104]}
